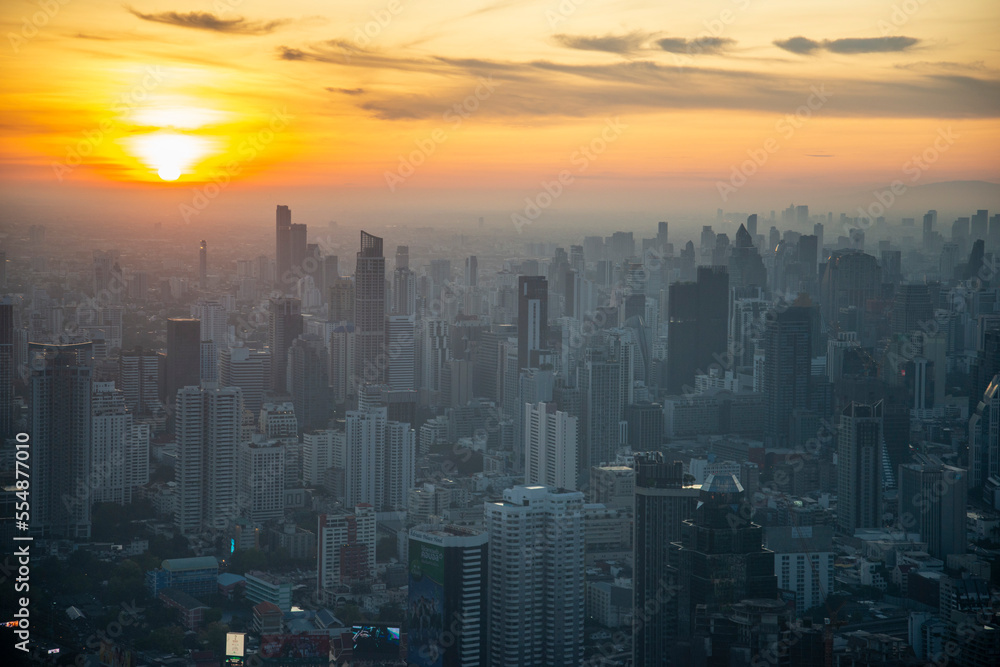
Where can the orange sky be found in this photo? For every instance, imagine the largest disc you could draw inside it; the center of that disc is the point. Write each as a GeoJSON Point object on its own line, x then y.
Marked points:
{"type": "Point", "coordinates": [362, 98]}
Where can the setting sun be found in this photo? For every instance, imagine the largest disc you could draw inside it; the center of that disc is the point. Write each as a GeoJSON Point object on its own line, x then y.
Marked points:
{"type": "Point", "coordinates": [168, 153]}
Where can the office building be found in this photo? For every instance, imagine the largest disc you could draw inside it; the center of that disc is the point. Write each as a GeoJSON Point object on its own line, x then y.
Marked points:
{"type": "Point", "coordinates": [697, 327]}
{"type": "Point", "coordinates": [119, 454]}
{"type": "Point", "coordinates": [284, 325]}
{"type": "Point", "coordinates": [183, 362]}
{"type": "Point", "coordinates": [932, 500]}
{"type": "Point", "coordinates": [262, 480]}
{"type": "Point", "coordinates": [247, 369]}
{"type": "Point", "coordinates": [787, 370]}
{"type": "Point", "coordinates": [447, 595]}
{"type": "Point", "coordinates": [139, 380]}
{"type": "Point", "coordinates": [308, 381]}
{"type": "Point", "coordinates": [535, 581]}
{"type": "Point", "coordinates": [61, 419]}
{"type": "Point", "coordinates": [290, 249]}
{"type": "Point", "coordinates": [600, 383]}
{"type": "Point", "coordinates": [662, 503]}
{"type": "Point", "coordinates": [369, 313]}
{"type": "Point", "coordinates": [803, 562]}
{"type": "Point", "coordinates": [400, 339]}
{"type": "Point", "coordinates": [379, 459]}
{"type": "Point", "coordinates": [859, 465]}
{"type": "Point", "coordinates": [532, 319]}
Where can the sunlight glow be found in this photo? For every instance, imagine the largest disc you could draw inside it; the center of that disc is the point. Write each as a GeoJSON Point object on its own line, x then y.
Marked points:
{"type": "Point", "coordinates": [169, 153]}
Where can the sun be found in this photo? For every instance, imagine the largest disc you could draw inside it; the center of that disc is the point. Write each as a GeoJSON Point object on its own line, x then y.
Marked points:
{"type": "Point", "coordinates": [169, 173]}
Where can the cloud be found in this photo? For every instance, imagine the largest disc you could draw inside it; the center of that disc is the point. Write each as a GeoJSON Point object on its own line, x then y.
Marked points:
{"type": "Point", "coordinates": [346, 91]}
{"type": "Point", "coordinates": [209, 21]}
{"type": "Point", "coordinates": [620, 44]}
{"type": "Point", "coordinates": [850, 45]}
{"type": "Point", "coordinates": [695, 46]}
{"type": "Point", "coordinates": [546, 89]}
{"type": "Point", "coordinates": [799, 45]}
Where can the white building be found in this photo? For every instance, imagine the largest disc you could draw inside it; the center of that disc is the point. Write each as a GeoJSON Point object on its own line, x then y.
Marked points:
{"type": "Point", "coordinates": [551, 447]}
{"type": "Point", "coordinates": [803, 562]}
{"type": "Point", "coordinates": [247, 369]}
{"type": "Point", "coordinates": [119, 455]}
{"type": "Point", "coordinates": [335, 533]}
{"type": "Point", "coordinates": [321, 450]}
{"type": "Point", "coordinates": [379, 459]}
{"type": "Point", "coordinates": [212, 316]}
{"type": "Point", "coordinates": [399, 332]}
{"type": "Point", "coordinates": [536, 577]}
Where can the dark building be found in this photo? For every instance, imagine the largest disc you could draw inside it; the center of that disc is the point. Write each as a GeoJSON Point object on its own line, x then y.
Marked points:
{"type": "Point", "coordinates": [308, 382]}
{"type": "Point", "coordinates": [446, 614]}
{"type": "Point", "coordinates": [721, 559]}
{"type": "Point", "coordinates": [532, 318]}
{"type": "Point", "coordinates": [787, 371]}
{"type": "Point", "coordinates": [6, 371]}
{"type": "Point", "coordinates": [290, 249]}
{"type": "Point", "coordinates": [934, 496]}
{"type": "Point", "coordinates": [183, 361]}
{"type": "Point", "coordinates": [61, 439]}
{"type": "Point", "coordinates": [662, 504]}
{"type": "Point", "coordinates": [697, 329]}
{"type": "Point", "coordinates": [644, 422]}
{"type": "Point", "coordinates": [746, 268]}
{"type": "Point", "coordinates": [369, 312]}
{"type": "Point", "coordinates": [911, 309]}
{"type": "Point", "coordinates": [852, 278]}
{"type": "Point", "coordinates": [859, 466]}
{"type": "Point", "coordinates": [284, 325]}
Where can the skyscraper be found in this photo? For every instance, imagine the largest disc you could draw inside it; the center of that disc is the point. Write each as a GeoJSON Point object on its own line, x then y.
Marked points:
{"type": "Point", "coordinates": [61, 437]}
{"type": "Point", "coordinates": [249, 370]}
{"type": "Point", "coordinates": [934, 497]}
{"type": "Point", "coordinates": [284, 325]}
{"type": "Point", "coordinates": [203, 265]}
{"type": "Point", "coordinates": [550, 443]}
{"type": "Point", "coordinates": [532, 318]}
{"type": "Point", "coordinates": [290, 249]}
{"type": "Point", "coordinates": [183, 363]}
{"type": "Point", "coordinates": [369, 312]}
{"type": "Point", "coordinates": [697, 327]}
{"type": "Point", "coordinates": [447, 596]}
{"type": "Point", "coordinates": [721, 560]}
{"type": "Point", "coordinates": [399, 331]}
{"type": "Point", "coordinates": [536, 569]}
{"type": "Point", "coordinates": [471, 271]}
{"type": "Point", "coordinates": [139, 380]}
{"type": "Point", "coordinates": [746, 268]}
{"type": "Point", "coordinates": [379, 459]}
{"type": "Point", "coordinates": [852, 278]}
{"type": "Point", "coordinates": [787, 371]}
{"type": "Point", "coordinates": [309, 382]}
{"type": "Point", "coordinates": [662, 504]}
{"type": "Point", "coordinates": [859, 465]}
{"type": "Point", "coordinates": [600, 382]}
{"type": "Point", "coordinates": [208, 430]}
{"type": "Point", "coordinates": [119, 447]}
{"type": "Point", "coordinates": [6, 370]}
{"type": "Point", "coordinates": [345, 546]}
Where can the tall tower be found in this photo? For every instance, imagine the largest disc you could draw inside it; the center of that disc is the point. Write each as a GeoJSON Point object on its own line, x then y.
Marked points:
{"type": "Point", "coordinates": [203, 265]}
{"type": "Point", "coordinates": [859, 465]}
{"type": "Point", "coordinates": [309, 381]}
{"type": "Point", "coordinates": [697, 326]}
{"type": "Point", "coordinates": [283, 242]}
{"type": "Point", "coordinates": [283, 327]}
{"type": "Point", "coordinates": [935, 495]}
{"type": "Point", "coordinates": [787, 370]}
{"type": "Point", "coordinates": [471, 271]}
{"type": "Point", "coordinates": [401, 373]}
{"type": "Point", "coordinates": [208, 429]}
{"type": "Point", "coordinates": [61, 436]}
{"type": "Point", "coordinates": [536, 569]}
{"type": "Point", "coordinates": [447, 596]}
{"type": "Point", "coordinates": [119, 447]}
{"type": "Point", "coordinates": [532, 318]}
{"type": "Point", "coordinates": [601, 385]}
{"type": "Point", "coordinates": [550, 443]}
{"type": "Point", "coordinates": [662, 504]}
{"type": "Point", "coordinates": [369, 312]}
{"type": "Point", "coordinates": [183, 364]}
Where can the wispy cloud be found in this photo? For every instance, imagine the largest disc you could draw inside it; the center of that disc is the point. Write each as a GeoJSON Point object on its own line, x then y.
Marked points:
{"type": "Point", "coordinates": [849, 45]}
{"type": "Point", "coordinates": [346, 91]}
{"type": "Point", "coordinates": [209, 21]}
{"type": "Point", "coordinates": [695, 46]}
{"type": "Point", "coordinates": [621, 44]}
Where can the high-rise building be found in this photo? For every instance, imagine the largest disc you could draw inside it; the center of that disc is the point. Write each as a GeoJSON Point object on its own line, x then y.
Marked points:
{"type": "Point", "coordinates": [379, 459]}
{"type": "Point", "coordinates": [61, 440]}
{"type": "Point", "coordinates": [532, 318]}
{"type": "Point", "coordinates": [290, 249]}
{"type": "Point", "coordinates": [284, 325]}
{"type": "Point", "coordinates": [369, 312]}
{"type": "Point", "coordinates": [262, 480]}
{"type": "Point", "coordinates": [340, 302]}
{"type": "Point", "coordinates": [721, 544]}
{"type": "Point", "coordinates": [400, 343]}
{"type": "Point", "coordinates": [212, 316]}
{"type": "Point", "coordinates": [536, 568]}
{"type": "Point", "coordinates": [249, 370]}
{"type": "Point", "coordinates": [803, 562]}
{"type": "Point", "coordinates": [746, 268]}
{"type": "Point", "coordinates": [932, 501]}
{"type": "Point", "coordinates": [697, 327]}
{"type": "Point", "coordinates": [404, 291]}
{"type": "Point", "coordinates": [852, 278]}
{"type": "Point", "coordinates": [183, 362]}
{"type": "Point", "coordinates": [308, 381]}
{"type": "Point", "coordinates": [139, 380]}
{"type": "Point", "coordinates": [984, 435]}
{"type": "Point", "coordinates": [978, 227]}
{"type": "Point", "coordinates": [911, 309]}
{"type": "Point", "coordinates": [7, 370]}
{"type": "Point", "coordinates": [208, 361]}
{"type": "Point", "coordinates": [203, 265]}
{"type": "Point", "coordinates": [208, 429]}
{"type": "Point", "coordinates": [600, 383]}
{"type": "Point", "coordinates": [644, 421]}
{"type": "Point", "coordinates": [550, 443]}
{"type": "Point", "coordinates": [447, 596]}
{"type": "Point", "coordinates": [662, 229]}
{"type": "Point", "coordinates": [859, 466]}
{"type": "Point", "coordinates": [471, 271]}
{"type": "Point", "coordinates": [662, 504]}
{"type": "Point", "coordinates": [345, 545]}
{"type": "Point", "coordinates": [787, 371]}
{"type": "Point", "coordinates": [119, 450]}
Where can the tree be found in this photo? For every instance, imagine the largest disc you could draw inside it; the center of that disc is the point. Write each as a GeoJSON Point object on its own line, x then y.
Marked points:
{"type": "Point", "coordinates": [349, 614]}
{"type": "Point", "coordinates": [214, 637]}
{"type": "Point", "coordinates": [168, 639]}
